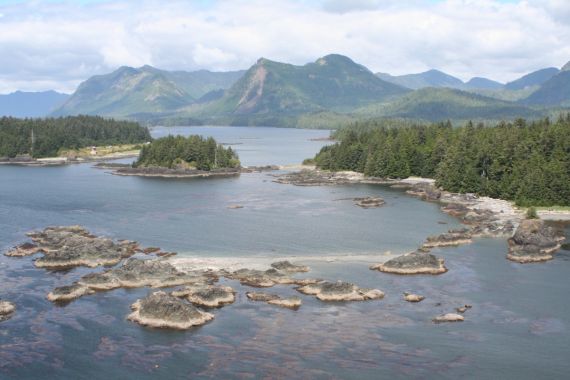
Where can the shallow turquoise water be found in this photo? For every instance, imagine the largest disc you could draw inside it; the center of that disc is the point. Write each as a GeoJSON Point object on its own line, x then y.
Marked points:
{"type": "Point", "coordinates": [518, 327]}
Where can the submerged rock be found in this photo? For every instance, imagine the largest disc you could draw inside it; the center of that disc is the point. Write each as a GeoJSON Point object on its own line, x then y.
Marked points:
{"type": "Point", "coordinates": [68, 293]}
{"type": "Point", "coordinates": [340, 291]}
{"type": "Point", "coordinates": [463, 309]}
{"type": "Point", "coordinates": [71, 246]}
{"type": "Point", "coordinates": [162, 310]}
{"type": "Point", "coordinates": [533, 241]}
{"type": "Point", "coordinates": [410, 297]}
{"type": "Point", "coordinates": [413, 263]}
{"type": "Point", "coordinates": [26, 249]}
{"type": "Point", "coordinates": [286, 266]}
{"type": "Point", "coordinates": [369, 202]}
{"type": "Point", "coordinates": [7, 309]}
{"type": "Point", "coordinates": [449, 239]}
{"type": "Point", "coordinates": [449, 317]}
{"type": "Point", "coordinates": [261, 296]}
{"type": "Point", "coordinates": [207, 295]}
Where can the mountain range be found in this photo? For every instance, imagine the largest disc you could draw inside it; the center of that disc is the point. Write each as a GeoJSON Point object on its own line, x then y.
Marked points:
{"type": "Point", "coordinates": [332, 89]}
{"type": "Point", "coordinates": [30, 104]}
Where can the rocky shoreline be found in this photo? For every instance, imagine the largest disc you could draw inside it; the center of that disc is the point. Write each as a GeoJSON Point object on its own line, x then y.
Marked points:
{"type": "Point", "coordinates": [59, 161]}
{"type": "Point", "coordinates": [175, 173]}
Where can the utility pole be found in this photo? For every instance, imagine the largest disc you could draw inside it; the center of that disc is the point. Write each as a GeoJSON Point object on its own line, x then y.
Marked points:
{"type": "Point", "coordinates": [33, 143]}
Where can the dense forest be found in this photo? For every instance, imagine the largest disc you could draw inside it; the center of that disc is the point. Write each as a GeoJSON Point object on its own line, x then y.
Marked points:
{"type": "Point", "coordinates": [528, 162]}
{"type": "Point", "coordinates": [74, 132]}
{"type": "Point", "coordinates": [187, 152]}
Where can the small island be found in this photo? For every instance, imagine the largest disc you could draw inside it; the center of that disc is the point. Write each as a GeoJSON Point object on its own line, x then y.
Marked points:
{"type": "Point", "coordinates": [184, 157]}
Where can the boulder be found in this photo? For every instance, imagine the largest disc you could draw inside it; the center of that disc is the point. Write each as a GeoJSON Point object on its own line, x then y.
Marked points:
{"type": "Point", "coordinates": [413, 263]}
{"type": "Point", "coordinates": [162, 310]}
{"type": "Point", "coordinates": [410, 297]}
{"type": "Point", "coordinates": [7, 309]}
{"type": "Point", "coordinates": [449, 317]}
{"type": "Point", "coordinates": [426, 191]}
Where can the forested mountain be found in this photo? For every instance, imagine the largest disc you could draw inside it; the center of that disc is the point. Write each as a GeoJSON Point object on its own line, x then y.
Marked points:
{"type": "Point", "coordinates": [436, 104]}
{"type": "Point", "coordinates": [430, 78]}
{"type": "Point", "coordinates": [536, 78]}
{"type": "Point", "coordinates": [129, 91]}
{"type": "Point", "coordinates": [481, 84]}
{"type": "Point", "coordinates": [553, 92]}
{"type": "Point", "coordinates": [192, 152]}
{"type": "Point", "coordinates": [30, 104]}
{"type": "Point", "coordinates": [73, 132]}
{"type": "Point", "coordinates": [528, 162]}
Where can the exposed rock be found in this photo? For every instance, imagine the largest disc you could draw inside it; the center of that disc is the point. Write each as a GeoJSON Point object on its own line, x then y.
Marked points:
{"type": "Point", "coordinates": [71, 246]}
{"type": "Point", "coordinates": [207, 295]}
{"type": "Point", "coordinates": [286, 266]}
{"type": "Point", "coordinates": [150, 250]}
{"type": "Point", "coordinates": [426, 191]}
{"type": "Point", "coordinates": [369, 202]}
{"type": "Point", "coordinates": [455, 209]}
{"type": "Point", "coordinates": [69, 293]}
{"type": "Point", "coordinates": [235, 207]}
{"type": "Point", "coordinates": [261, 296]}
{"type": "Point", "coordinates": [533, 241]}
{"type": "Point", "coordinates": [259, 169]}
{"type": "Point", "coordinates": [340, 291]}
{"type": "Point", "coordinates": [410, 297]}
{"type": "Point", "coordinates": [413, 263]}
{"type": "Point", "coordinates": [289, 303]}
{"type": "Point", "coordinates": [463, 309]}
{"type": "Point", "coordinates": [165, 311]}
{"type": "Point", "coordinates": [449, 317]}
{"type": "Point", "coordinates": [26, 249]}
{"type": "Point", "coordinates": [175, 173]}
{"type": "Point", "coordinates": [274, 299]}
{"type": "Point", "coordinates": [451, 238]}
{"type": "Point", "coordinates": [265, 279]}
{"type": "Point", "coordinates": [136, 273]}
{"type": "Point", "coordinates": [6, 310]}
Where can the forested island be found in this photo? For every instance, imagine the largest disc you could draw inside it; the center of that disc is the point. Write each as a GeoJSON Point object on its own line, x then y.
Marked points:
{"type": "Point", "coordinates": [48, 137]}
{"type": "Point", "coordinates": [528, 162]}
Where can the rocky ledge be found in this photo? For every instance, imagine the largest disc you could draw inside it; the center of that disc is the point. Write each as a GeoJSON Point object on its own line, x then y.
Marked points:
{"type": "Point", "coordinates": [340, 291]}
{"type": "Point", "coordinates": [72, 246]}
{"type": "Point", "coordinates": [274, 299]}
{"type": "Point", "coordinates": [451, 238]}
{"type": "Point", "coordinates": [176, 173]}
{"type": "Point", "coordinates": [533, 242]}
{"type": "Point", "coordinates": [314, 177]}
{"type": "Point", "coordinates": [162, 310]}
{"type": "Point", "coordinates": [6, 310]}
{"type": "Point", "coordinates": [418, 262]}
{"type": "Point", "coordinates": [207, 295]}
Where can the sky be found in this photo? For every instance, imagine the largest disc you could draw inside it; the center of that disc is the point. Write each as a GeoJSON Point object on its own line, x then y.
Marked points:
{"type": "Point", "coordinates": [49, 44]}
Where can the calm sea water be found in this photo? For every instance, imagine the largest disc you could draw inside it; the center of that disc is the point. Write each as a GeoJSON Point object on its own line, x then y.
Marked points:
{"type": "Point", "coordinates": [519, 326]}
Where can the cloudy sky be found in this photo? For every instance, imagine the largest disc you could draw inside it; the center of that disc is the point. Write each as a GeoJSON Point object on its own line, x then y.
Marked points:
{"type": "Point", "coordinates": [57, 44]}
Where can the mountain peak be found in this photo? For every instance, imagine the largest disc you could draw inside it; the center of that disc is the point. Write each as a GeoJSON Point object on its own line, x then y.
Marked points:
{"type": "Point", "coordinates": [334, 58]}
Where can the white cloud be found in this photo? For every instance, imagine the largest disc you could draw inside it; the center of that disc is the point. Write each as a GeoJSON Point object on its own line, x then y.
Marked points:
{"type": "Point", "coordinates": [58, 44]}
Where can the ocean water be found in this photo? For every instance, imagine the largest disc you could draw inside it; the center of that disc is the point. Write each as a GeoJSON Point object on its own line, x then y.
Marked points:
{"type": "Point", "coordinates": [519, 326]}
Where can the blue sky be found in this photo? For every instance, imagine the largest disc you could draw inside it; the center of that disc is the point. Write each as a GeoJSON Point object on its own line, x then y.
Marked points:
{"type": "Point", "coordinates": [57, 44]}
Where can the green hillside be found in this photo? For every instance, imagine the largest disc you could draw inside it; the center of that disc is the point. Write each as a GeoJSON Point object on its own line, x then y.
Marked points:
{"type": "Point", "coordinates": [129, 91]}
{"type": "Point", "coordinates": [553, 92]}
{"type": "Point", "coordinates": [435, 104]}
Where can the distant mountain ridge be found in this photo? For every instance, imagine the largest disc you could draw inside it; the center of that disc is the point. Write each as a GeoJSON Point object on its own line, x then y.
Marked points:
{"type": "Point", "coordinates": [128, 91]}
{"type": "Point", "coordinates": [30, 104]}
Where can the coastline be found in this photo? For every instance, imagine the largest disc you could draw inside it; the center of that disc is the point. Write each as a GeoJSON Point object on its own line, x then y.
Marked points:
{"type": "Point", "coordinates": [59, 161]}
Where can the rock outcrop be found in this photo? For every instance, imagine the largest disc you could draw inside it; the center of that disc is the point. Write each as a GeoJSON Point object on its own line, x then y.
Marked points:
{"type": "Point", "coordinates": [207, 295]}
{"type": "Point", "coordinates": [274, 299]}
{"type": "Point", "coordinates": [7, 309]}
{"type": "Point", "coordinates": [425, 190]}
{"type": "Point", "coordinates": [449, 317]}
{"type": "Point", "coordinates": [162, 310]}
{"type": "Point", "coordinates": [410, 297]}
{"type": "Point", "coordinates": [340, 291]}
{"type": "Point", "coordinates": [449, 239]}
{"type": "Point", "coordinates": [413, 263]}
{"type": "Point", "coordinates": [533, 241]}
{"type": "Point", "coordinates": [286, 266]}
{"type": "Point", "coordinates": [267, 278]}
{"type": "Point", "coordinates": [68, 293]}
{"type": "Point", "coordinates": [369, 202]}
{"type": "Point", "coordinates": [71, 246]}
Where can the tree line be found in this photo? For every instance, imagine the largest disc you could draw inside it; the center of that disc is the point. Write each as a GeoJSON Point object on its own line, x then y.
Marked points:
{"type": "Point", "coordinates": [187, 152]}
{"type": "Point", "coordinates": [528, 162]}
{"type": "Point", "coordinates": [49, 135]}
